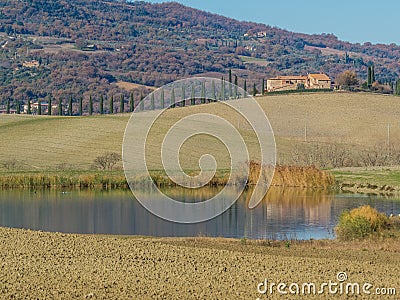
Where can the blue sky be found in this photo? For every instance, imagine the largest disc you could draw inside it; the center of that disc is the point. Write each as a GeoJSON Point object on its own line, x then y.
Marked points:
{"type": "Point", "coordinates": [350, 20]}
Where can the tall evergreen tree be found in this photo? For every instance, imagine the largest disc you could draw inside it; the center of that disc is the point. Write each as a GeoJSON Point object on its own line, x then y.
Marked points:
{"type": "Point", "coordinates": [254, 90]}
{"type": "Point", "coordinates": [236, 87]}
{"type": "Point", "coordinates": [101, 104]}
{"type": "Point", "coordinates": [213, 91]}
{"type": "Point", "coordinates": [122, 104]}
{"type": "Point", "coordinates": [203, 93]}
{"type": "Point", "coordinates": [373, 74]}
{"type": "Point", "coordinates": [141, 101]}
{"type": "Point", "coordinates": [369, 79]}
{"type": "Point", "coordinates": [222, 95]}
{"type": "Point", "coordinates": [245, 85]}
{"type": "Point", "coordinates": [230, 76]}
{"type": "Point", "coordinates": [183, 95]}
{"type": "Point", "coordinates": [81, 106]}
{"type": "Point", "coordinates": [346, 58]}
{"type": "Point", "coordinates": [49, 107]}
{"type": "Point", "coordinates": [193, 97]}
{"type": "Point", "coordinates": [8, 106]}
{"type": "Point", "coordinates": [112, 105]}
{"type": "Point", "coordinates": [397, 90]}
{"type": "Point", "coordinates": [173, 98]}
{"type": "Point", "coordinates": [39, 109]}
{"type": "Point", "coordinates": [152, 104]}
{"type": "Point", "coordinates": [70, 106]}
{"type": "Point", "coordinates": [131, 103]}
{"type": "Point", "coordinates": [29, 109]}
{"type": "Point", "coordinates": [18, 107]}
{"type": "Point", "coordinates": [263, 87]}
{"type": "Point", "coordinates": [162, 100]}
{"type": "Point", "coordinates": [90, 105]}
{"type": "Point", "coordinates": [60, 108]}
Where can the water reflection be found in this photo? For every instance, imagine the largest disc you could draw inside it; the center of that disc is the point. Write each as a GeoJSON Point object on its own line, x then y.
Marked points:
{"type": "Point", "coordinates": [284, 213]}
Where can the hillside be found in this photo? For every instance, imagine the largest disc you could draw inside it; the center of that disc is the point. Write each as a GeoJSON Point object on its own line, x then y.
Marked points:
{"type": "Point", "coordinates": [86, 47]}
{"type": "Point", "coordinates": [351, 122]}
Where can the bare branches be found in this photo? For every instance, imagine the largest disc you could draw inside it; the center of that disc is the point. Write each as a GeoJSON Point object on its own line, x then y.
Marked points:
{"type": "Point", "coordinates": [107, 161]}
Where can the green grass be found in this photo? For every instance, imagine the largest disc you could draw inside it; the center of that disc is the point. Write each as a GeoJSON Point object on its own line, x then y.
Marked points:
{"type": "Point", "coordinates": [375, 176]}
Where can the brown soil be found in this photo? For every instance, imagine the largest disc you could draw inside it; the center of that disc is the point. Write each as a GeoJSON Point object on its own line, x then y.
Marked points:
{"type": "Point", "coordinates": [38, 265]}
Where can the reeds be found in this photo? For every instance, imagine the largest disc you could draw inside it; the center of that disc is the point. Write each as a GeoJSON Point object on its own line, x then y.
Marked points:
{"type": "Point", "coordinates": [40, 180]}
{"type": "Point", "coordinates": [286, 176]}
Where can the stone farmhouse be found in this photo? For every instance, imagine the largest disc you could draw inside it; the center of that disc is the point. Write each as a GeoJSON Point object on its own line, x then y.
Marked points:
{"type": "Point", "coordinates": [311, 81]}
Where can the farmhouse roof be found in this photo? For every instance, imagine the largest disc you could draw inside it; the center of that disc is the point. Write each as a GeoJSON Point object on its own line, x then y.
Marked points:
{"type": "Point", "coordinates": [321, 77]}
{"type": "Point", "coordinates": [289, 78]}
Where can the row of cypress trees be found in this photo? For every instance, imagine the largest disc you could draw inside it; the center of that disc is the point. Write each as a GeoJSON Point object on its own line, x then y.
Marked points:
{"type": "Point", "coordinates": [69, 107]}
{"type": "Point", "coordinates": [111, 102]}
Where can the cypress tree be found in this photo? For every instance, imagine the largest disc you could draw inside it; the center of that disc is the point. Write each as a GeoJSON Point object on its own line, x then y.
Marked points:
{"type": "Point", "coordinates": [373, 74]}
{"type": "Point", "coordinates": [101, 104]}
{"type": "Point", "coordinates": [369, 79]}
{"type": "Point", "coordinates": [29, 110]}
{"type": "Point", "coordinates": [81, 106]}
{"type": "Point", "coordinates": [152, 101]}
{"type": "Point", "coordinates": [213, 91]}
{"type": "Point", "coordinates": [193, 97]}
{"type": "Point", "coordinates": [203, 93]}
{"type": "Point", "coordinates": [112, 105]}
{"type": "Point", "coordinates": [141, 101]}
{"type": "Point", "coordinates": [397, 87]}
{"type": "Point", "coordinates": [173, 98]}
{"type": "Point", "coordinates": [60, 109]}
{"type": "Point", "coordinates": [70, 106]}
{"type": "Point", "coordinates": [183, 96]}
{"type": "Point", "coordinates": [245, 85]}
{"type": "Point", "coordinates": [90, 105]}
{"type": "Point", "coordinates": [131, 103]}
{"type": "Point", "coordinates": [8, 106]}
{"type": "Point", "coordinates": [18, 107]}
{"type": "Point", "coordinates": [230, 76]}
{"type": "Point", "coordinates": [263, 87]}
{"type": "Point", "coordinates": [254, 90]}
{"type": "Point", "coordinates": [222, 95]}
{"type": "Point", "coordinates": [162, 99]}
{"type": "Point", "coordinates": [39, 110]}
{"type": "Point", "coordinates": [236, 87]}
{"type": "Point", "coordinates": [122, 104]}
{"type": "Point", "coordinates": [49, 106]}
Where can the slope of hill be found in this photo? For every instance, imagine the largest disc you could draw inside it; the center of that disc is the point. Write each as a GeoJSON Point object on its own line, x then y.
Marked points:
{"type": "Point", "coordinates": [49, 142]}
{"type": "Point", "coordinates": [83, 47]}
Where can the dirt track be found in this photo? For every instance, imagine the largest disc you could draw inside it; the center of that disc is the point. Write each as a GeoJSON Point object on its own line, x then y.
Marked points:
{"type": "Point", "coordinates": [37, 265]}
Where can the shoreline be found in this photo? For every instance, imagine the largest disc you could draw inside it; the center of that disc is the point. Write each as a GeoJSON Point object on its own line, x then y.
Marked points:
{"type": "Point", "coordinates": [345, 180]}
{"type": "Point", "coordinates": [291, 176]}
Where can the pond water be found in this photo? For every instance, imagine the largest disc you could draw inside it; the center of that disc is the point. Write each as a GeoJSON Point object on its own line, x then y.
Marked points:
{"type": "Point", "coordinates": [284, 213]}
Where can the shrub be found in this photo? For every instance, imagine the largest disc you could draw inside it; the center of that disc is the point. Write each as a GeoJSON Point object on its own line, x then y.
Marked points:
{"type": "Point", "coordinates": [360, 223]}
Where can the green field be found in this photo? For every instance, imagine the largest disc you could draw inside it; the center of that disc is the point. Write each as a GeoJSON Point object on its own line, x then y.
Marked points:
{"type": "Point", "coordinates": [358, 120]}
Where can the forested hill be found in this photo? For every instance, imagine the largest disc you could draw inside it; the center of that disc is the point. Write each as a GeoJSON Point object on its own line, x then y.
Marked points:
{"type": "Point", "coordinates": [90, 47]}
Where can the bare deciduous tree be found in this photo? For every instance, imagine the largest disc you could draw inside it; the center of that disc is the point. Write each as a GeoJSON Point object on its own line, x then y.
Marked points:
{"type": "Point", "coordinates": [107, 161]}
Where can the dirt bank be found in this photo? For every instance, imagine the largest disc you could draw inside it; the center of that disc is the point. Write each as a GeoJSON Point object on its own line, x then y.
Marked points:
{"type": "Point", "coordinates": [37, 265]}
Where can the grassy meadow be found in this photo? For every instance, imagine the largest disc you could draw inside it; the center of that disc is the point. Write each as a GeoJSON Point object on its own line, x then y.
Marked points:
{"type": "Point", "coordinates": [358, 121]}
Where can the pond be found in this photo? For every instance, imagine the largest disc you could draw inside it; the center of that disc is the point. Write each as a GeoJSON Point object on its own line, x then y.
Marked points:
{"type": "Point", "coordinates": [284, 213]}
